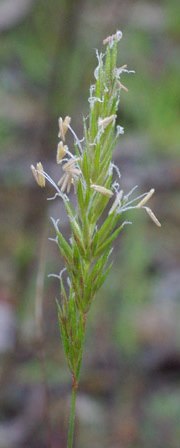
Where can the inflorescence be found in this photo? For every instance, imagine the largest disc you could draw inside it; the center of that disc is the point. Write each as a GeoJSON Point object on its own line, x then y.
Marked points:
{"type": "Point", "coordinates": [96, 220]}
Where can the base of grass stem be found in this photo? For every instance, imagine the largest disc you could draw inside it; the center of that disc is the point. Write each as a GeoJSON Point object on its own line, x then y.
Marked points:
{"type": "Point", "coordinates": [72, 416]}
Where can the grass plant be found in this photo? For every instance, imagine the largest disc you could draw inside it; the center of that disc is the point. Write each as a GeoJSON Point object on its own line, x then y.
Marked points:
{"type": "Point", "coordinates": [96, 220]}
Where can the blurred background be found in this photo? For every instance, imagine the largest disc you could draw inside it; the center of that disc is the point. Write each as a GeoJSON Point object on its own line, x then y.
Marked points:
{"type": "Point", "coordinates": [129, 394]}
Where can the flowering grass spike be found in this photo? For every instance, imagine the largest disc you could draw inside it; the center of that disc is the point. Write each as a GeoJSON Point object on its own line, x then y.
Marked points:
{"type": "Point", "coordinates": [97, 219]}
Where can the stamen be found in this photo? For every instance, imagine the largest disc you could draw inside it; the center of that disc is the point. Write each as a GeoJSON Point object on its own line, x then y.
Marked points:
{"type": "Point", "coordinates": [74, 171]}
{"type": "Point", "coordinates": [63, 196]}
{"type": "Point", "coordinates": [152, 216]}
{"type": "Point", "coordinates": [63, 127]}
{"type": "Point", "coordinates": [146, 198]}
{"type": "Point", "coordinates": [78, 142]}
{"type": "Point", "coordinates": [126, 204]}
{"type": "Point", "coordinates": [60, 182]}
{"type": "Point", "coordinates": [104, 122]}
{"type": "Point", "coordinates": [71, 172]}
{"type": "Point", "coordinates": [69, 183]}
{"type": "Point", "coordinates": [121, 86]}
{"type": "Point", "coordinates": [65, 183]}
{"type": "Point", "coordinates": [117, 202]}
{"type": "Point", "coordinates": [67, 166]}
{"type": "Point", "coordinates": [102, 190]}
{"type": "Point", "coordinates": [61, 151]}
{"type": "Point", "coordinates": [130, 192]}
{"type": "Point", "coordinates": [38, 174]}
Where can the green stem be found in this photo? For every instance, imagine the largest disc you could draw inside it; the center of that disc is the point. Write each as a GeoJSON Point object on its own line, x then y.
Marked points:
{"type": "Point", "coordinates": [72, 417]}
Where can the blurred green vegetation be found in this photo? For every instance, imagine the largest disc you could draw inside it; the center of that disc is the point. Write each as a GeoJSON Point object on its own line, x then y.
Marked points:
{"type": "Point", "coordinates": [162, 410]}
{"type": "Point", "coordinates": [6, 133]}
{"type": "Point", "coordinates": [44, 57]}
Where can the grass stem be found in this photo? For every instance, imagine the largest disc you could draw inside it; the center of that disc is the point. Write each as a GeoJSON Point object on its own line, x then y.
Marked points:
{"type": "Point", "coordinates": [72, 416]}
